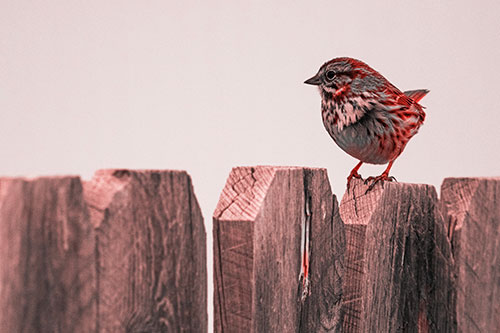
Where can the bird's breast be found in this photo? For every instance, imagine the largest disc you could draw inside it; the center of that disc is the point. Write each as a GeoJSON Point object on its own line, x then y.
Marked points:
{"type": "Point", "coordinates": [376, 137]}
{"type": "Point", "coordinates": [343, 111]}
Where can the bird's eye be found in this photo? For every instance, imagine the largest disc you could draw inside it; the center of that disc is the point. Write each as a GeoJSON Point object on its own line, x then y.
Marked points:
{"type": "Point", "coordinates": [330, 75]}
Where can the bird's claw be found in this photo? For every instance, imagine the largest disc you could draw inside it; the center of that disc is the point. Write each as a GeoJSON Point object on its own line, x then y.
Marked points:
{"type": "Point", "coordinates": [383, 177]}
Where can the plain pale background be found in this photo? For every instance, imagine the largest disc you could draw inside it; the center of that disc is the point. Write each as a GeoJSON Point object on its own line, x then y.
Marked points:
{"type": "Point", "coordinates": [208, 85]}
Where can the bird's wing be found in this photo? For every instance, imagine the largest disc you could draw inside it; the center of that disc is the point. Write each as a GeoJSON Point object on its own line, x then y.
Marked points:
{"type": "Point", "coordinates": [405, 105]}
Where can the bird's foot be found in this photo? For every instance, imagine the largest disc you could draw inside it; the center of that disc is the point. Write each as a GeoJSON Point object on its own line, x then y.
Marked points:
{"type": "Point", "coordinates": [353, 174]}
{"type": "Point", "coordinates": [374, 180]}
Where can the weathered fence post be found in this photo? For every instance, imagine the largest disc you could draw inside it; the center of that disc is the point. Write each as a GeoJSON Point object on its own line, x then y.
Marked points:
{"type": "Point", "coordinates": [47, 275]}
{"type": "Point", "coordinates": [264, 217]}
{"type": "Point", "coordinates": [398, 262]}
{"type": "Point", "coordinates": [472, 210]}
{"type": "Point", "coordinates": [124, 252]}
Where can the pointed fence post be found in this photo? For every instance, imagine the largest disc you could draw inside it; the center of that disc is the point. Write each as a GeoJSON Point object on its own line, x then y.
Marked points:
{"type": "Point", "coordinates": [398, 261]}
{"type": "Point", "coordinates": [266, 217]}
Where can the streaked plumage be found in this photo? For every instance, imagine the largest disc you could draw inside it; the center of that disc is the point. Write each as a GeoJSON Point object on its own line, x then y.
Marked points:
{"type": "Point", "coordinates": [367, 116]}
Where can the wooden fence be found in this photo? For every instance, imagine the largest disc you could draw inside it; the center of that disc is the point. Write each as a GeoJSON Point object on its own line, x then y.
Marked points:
{"type": "Point", "coordinates": [126, 252]}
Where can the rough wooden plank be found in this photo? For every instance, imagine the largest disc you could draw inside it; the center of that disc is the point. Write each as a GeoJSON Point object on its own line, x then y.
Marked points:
{"type": "Point", "coordinates": [472, 209]}
{"type": "Point", "coordinates": [398, 261]}
{"type": "Point", "coordinates": [124, 252]}
{"type": "Point", "coordinates": [151, 252]}
{"type": "Point", "coordinates": [259, 230]}
{"type": "Point", "coordinates": [47, 277]}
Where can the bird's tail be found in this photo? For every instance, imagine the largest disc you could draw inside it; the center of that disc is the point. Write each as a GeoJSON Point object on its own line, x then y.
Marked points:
{"type": "Point", "coordinates": [416, 95]}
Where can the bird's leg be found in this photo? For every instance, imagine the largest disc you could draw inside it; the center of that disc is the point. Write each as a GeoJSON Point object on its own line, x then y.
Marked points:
{"type": "Point", "coordinates": [382, 177]}
{"type": "Point", "coordinates": [354, 174]}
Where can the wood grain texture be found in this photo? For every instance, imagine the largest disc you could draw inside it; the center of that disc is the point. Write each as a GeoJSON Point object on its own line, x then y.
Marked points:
{"type": "Point", "coordinates": [124, 252]}
{"type": "Point", "coordinates": [472, 210]}
{"type": "Point", "coordinates": [47, 276]}
{"type": "Point", "coordinates": [258, 225]}
{"type": "Point", "coordinates": [398, 261]}
{"type": "Point", "coordinates": [151, 252]}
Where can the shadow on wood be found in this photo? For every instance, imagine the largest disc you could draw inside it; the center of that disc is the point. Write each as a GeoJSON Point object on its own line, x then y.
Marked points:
{"type": "Point", "coordinates": [266, 217]}
{"type": "Point", "coordinates": [123, 252]}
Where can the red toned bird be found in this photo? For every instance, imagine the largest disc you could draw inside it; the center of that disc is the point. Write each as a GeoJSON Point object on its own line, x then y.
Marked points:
{"type": "Point", "coordinates": [366, 115]}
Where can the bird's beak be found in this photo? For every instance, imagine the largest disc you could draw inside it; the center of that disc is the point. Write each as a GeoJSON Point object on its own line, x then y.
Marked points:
{"type": "Point", "coordinates": [314, 80]}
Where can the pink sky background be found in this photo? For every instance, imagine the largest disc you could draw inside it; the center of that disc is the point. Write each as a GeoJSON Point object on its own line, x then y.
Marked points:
{"type": "Point", "coordinates": [208, 85]}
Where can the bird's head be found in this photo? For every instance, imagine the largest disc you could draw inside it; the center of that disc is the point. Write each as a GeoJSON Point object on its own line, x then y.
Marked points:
{"type": "Point", "coordinates": [339, 74]}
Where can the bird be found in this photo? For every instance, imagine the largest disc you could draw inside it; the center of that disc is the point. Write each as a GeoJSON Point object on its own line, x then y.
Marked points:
{"type": "Point", "coordinates": [366, 115]}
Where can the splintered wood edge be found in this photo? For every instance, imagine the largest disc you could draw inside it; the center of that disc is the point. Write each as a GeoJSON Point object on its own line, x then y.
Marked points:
{"type": "Point", "coordinates": [100, 191]}
{"type": "Point", "coordinates": [245, 190]}
{"type": "Point", "coordinates": [244, 193]}
{"type": "Point", "coordinates": [358, 205]}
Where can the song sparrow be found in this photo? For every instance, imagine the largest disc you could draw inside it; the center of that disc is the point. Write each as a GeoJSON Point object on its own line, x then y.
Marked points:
{"type": "Point", "coordinates": [367, 116]}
